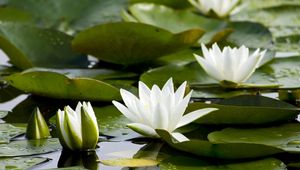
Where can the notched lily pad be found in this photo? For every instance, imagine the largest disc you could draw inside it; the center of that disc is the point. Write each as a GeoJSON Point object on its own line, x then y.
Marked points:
{"type": "Point", "coordinates": [29, 147]}
{"type": "Point", "coordinates": [247, 109]}
{"type": "Point", "coordinates": [220, 150]}
{"type": "Point", "coordinates": [51, 84]}
{"type": "Point", "coordinates": [111, 42]}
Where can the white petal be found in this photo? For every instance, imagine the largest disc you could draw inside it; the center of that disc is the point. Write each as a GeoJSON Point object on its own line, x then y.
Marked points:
{"type": "Point", "coordinates": [161, 117]}
{"type": "Point", "coordinates": [179, 94]}
{"type": "Point", "coordinates": [179, 111]}
{"type": "Point", "coordinates": [125, 111]}
{"type": "Point", "coordinates": [248, 69]}
{"type": "Point", "coordinates": [179, 137]}
{"type": "Point", "coordinates": [210, 70]}
{"type": "Point", "coordinates": [144, 92]}
{"type": "Point", "coordinates": [228, 66]}
{"type": "Point", "coordinates": [190, 117]}
{"type": "Point", "coordinates": [143, 129]}
{"type": "Point", "coordinates": [168, 87]}
{"type": "Point", "coordinates": [129, 100]}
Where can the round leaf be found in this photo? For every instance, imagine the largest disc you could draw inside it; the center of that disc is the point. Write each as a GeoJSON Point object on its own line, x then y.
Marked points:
{"type": "Point", "coordinates": [131, 43]}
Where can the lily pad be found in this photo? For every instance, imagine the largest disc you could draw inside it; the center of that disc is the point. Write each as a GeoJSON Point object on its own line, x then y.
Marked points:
{"type": "Point", "coordinates": [29, 147]}
{"type": "Point", "coordinates": [247, 109]}
{"type": "Point", "coordinates": [285, 137]}
{"type": "Point", "coordinates": [29, 46]}
{"type": "Point", "coordinates": [69, 15]}
{"type": "Point", "coordinates": [175, 20]}
{"type": "Point", "coordinates": [8, 131]}
{"type": "Point", "coordinates": [69, 168]}
{"type": "Point", "coordinates": [3, 114]}
{"type": "Point", "coordinates": [21, 162]}
{"type": "Point", "coordinates": [220, 150]}
{"type": "Point", "coordinates": [110, 42]}
{"type": "Point", "coordinates": [55, 85]}
{"type": "Point", "coordinates": [187, 163]}
{"type": "Point", "coordinates": [111, 122]}
{"type": "Point", "coordinates": [129, 162]}
{"type": "Point", "coordinates": [15, 15]}
{"type": "Point", "coordinates": [171, 3]}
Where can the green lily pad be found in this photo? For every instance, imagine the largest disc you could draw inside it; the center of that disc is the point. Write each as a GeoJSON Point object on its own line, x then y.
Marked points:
{"type": "Point", "coordinates": [129, 162]}
{"type": "Point", "coordinates": [220, 150]}
{"type": "Point", "coordinates": [69, 15]}
{"type": "Point", "coordinates": [175, 20]}
{"type": "Point", "coordinates": [8, 93]}
{"type": "Point", "coordinates": [99, 74]}
{"type": "Point", "coordinates": [21, 162]}
{"type": "Point", "coordinates": [8, 131]}
{"type": "Point", "coordinates": [15, 15]}
{"type": "Point", "coordinates": [29, 46]}
{"type": "Point", "coordinates": [3, 114]}
{"type": "Point", "coordinates": [111, 122]}
{"type": "Point", "coordinates": [188, 163]}
{"type": "Point", "coordinates": [258, 4]}
{"type": "Point", "coordinates": [171, 3]}
{"type": "Point", "coordinates": [275, 16]}
{"type": "Point", "coordinates": [110, 42]}
{"type": "Point", "coordinates": [247, 109]}
{"type": "Point", "coordinates": [29, 147]}
{"type": "Point", "coordinates": [282, 71]}
{"type": "Point", "coordinates": [55, 85]}
{"type": "Point", "coordinates": [285, 136]}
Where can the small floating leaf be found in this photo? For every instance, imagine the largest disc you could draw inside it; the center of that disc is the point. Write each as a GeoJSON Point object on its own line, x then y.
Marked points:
{"type": "Point", "coordinates": [29, 147]}
{"type": "Point", "coordinates": [8, 131]}
{"type": "Point", "coordinates": [21, 162]}
{"type": "Point", "coordinates": [129, 162]}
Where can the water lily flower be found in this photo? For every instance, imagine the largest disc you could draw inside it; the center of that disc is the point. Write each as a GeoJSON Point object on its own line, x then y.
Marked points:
{"type": "Point", "coordinates": [221, 8]}
{"type": "Point", "coordinates": [230, 65]}
{"type": "Point", "coordinates": [159, 109]}
{"type": "Point", "coordinates": [37, 127]}
{"type": "Point", "coordinates": [78, 130]}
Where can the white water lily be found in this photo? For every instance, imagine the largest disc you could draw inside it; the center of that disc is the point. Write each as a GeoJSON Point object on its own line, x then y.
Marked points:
{"type": "Point", "coordinates": [159, 109]}
{"type": "Point", "coordinates": [221, 8]}
{"type": "Point", "coordinates": [78, 130]}
{"type": "Point", "coordinates": [232, 64]}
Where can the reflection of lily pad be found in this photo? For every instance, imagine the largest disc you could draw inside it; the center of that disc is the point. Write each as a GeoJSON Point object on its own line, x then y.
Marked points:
{"type": "Point", "coordinates": [29, 147]}
{"type": "Point", "coordinates": [187, 163]}
{"type": "Point", "coordinates": [8, 131]}
{"type": "Point", "coordinates": [220, 150]}
{"type": "Point", "coordinates": [285, 136]}
{"type": "Point", "coordinates": [111, 42]}
{"type": "Point", "coordinates": [247, 109]}
{"type": "Point", "coordinates": [56, 85]}
{"type": "Point", "coordinates": [21, 162]}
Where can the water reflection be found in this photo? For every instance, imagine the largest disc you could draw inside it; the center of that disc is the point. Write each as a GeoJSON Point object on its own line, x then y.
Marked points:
{"type": "Point", "coordinates": [88, 160]}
